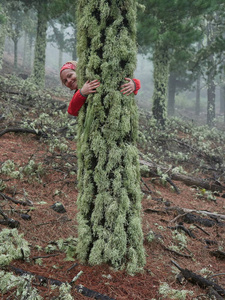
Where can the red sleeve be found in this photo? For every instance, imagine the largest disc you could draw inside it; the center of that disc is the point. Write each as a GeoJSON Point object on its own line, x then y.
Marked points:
{"type": "Point", "coordinates": [137, 85]}
{"type": "Point", "coordinates": [76, 103]}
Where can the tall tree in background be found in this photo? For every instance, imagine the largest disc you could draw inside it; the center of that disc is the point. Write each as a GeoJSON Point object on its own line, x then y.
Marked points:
{"type": "Point", "coordinates": [211, 72]}
{"type": "Point", "coordinates": [46, 10]}
{"type": "Point", "coordinates": [58, 38]}
{"type": "Point", "coordinates": [15, 27]}
{"type": "Point", "coordinates": [180, 78]}
{"type": "Point", "coordinates": [166, 27]}
{"type": "Point", "coordinates": [109, 202]}
{"type": "Point", "coordinates": [3, 20]}
{"type": "Point", "coordinates": [30, 27]}
{"type": "Point", "coordinates": [40, 44]}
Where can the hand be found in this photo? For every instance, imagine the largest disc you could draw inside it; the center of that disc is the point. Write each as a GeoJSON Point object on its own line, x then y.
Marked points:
{"type": "Point", "coordinates": [90, 87]}
{"type": "Point", "coordinates": [128, 88]}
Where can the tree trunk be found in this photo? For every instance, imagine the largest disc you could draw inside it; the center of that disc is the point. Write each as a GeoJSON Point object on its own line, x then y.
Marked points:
{"type": "Point", "coordinates": [222, 100]}
{"type": "Point", "coordinates": [211, 96]}
{"type": "Point", "coordinates": [109, 201]}
{"type": "Point", "coordinates": [74, 52]}
{"type": "Point", "coordinates": [2, 42]}
{"type": "Point", "coordinates": [15, 40]}
{"type": "Point", "coordinates": [211, 88]}
{"type": "Point", "coordinates": [161, 71]}
{"type": "Point", "coordinates": [24, 49]}
{"type": "Point", "coordinates": [171, 94]}
{"type": "Point", "coordinates": [28, 62]}
{"type": "Point", "coordinates": [198, 89]}
{"type": "Point", "coordinates": [40, 46]}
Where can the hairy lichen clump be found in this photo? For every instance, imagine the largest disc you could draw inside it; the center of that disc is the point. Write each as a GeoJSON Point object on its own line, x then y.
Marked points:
{"type": "Point", "coordinates": [12, 246]}
{"type": "Point", "coordinates": [23, 286]}
{"type": "Point", "coordinates": [109, 181]}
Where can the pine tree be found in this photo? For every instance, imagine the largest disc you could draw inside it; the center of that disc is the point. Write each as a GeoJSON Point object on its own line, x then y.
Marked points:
{"type": "Point", "coordinates": [109, 199]}
{"type": "Point", "coordinates": [3, 21]}
{"type": "Point", "coordinates": [40, 44]}
{"type": "Point", "coordinates": [46, 10]}
{"type": "Point", "coordinates": [167, 27]}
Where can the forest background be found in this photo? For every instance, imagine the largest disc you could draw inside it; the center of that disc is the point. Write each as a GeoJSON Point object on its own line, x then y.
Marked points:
{"type": "Point", "coordinates": [180, 63]}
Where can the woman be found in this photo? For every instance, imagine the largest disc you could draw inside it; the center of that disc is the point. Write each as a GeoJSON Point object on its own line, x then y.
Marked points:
{"type": "Point", "coordinates": [68, 77]}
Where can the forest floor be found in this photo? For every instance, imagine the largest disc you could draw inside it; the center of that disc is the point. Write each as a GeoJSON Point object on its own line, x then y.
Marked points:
{"type": "Point", "coordinates": [164, 213]}
{"type": "Point", "coordinates": [47, 226]}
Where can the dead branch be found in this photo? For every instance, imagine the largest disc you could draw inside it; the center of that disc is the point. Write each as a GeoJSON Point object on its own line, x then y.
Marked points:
{"type": "Point", "coordinates": [8, 222]}
{"type": "Point", "coordinates": [80, 288]}
{"type": "Point", "coordinates": [188, 180]}
{"type": "Point", "coordinates": [175, 252]}
{"type": "Point", "coordinates": [218, 253]}
{"type": "Point", "coordinates": [192, 181]}
{"type": "Point", "coordinates": [182, 227]}
{"type": "Point", "coordinates": [15, 201]}
{"type": "Point", "coordinates": [22, 130]}
{"type": "Point", "coordinates": [199, 280]}
{"type": "Point", "coordinates": [45, 256]}
{"type": "Point", "coordinates": [203, 212]}
{"type": "Point", "coordinates": [203, 230]}
{"type": "Point", "coordinates": [146, 186]}
{"type": "Point", "coordinates": [213, 293]}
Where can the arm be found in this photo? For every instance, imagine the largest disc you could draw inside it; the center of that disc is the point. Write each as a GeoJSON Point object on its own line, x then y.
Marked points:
{"type": "Point", "coordinates": [132, 86]}
{"type": "Point", "coordinates": [80, 97]}
{"type": "Point", "coordinates": [137, 85]}
{"type": "Point", "coordinates": [76, 103]}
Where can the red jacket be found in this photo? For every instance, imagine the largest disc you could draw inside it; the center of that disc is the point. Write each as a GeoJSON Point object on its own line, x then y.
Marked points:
{"type": "Point", "coordinates": [78, 100]}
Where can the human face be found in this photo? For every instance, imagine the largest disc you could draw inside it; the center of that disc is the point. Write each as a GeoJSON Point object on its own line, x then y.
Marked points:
{"type": "Point", "coordinates": [69, 78]}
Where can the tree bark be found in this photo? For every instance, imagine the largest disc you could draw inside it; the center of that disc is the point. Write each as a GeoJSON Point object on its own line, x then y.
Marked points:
{"type": "Point", "coordinates": [109, 199]}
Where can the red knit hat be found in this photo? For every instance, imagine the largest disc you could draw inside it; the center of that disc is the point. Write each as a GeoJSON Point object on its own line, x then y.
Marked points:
{"type": "Point", "coordinates": [68, 65]}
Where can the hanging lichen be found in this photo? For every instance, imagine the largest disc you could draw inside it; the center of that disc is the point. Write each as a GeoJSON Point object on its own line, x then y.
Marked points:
{"type": "Point", "coordinates": [12, 246]}
{"type": "Point", "coordinates": [109, 182]}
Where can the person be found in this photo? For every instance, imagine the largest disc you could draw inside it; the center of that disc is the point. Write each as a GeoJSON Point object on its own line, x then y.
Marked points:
{"type": "Point", "coordinates": [68, 78]}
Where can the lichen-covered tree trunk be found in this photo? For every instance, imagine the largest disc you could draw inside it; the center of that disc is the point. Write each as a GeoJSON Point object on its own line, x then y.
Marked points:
{"type": "Point", "coordinates": [211, 86]}
{"type": "Point", "coordinates": [198, 93]}
{"type": "Point", "coordinates": [160, 75]}
{"type": "Point", "coordinates": [109, 201]}
{"type": "Point", "coordinates": [2, 42]}
{"type": "Point", "coordinates": [211, 99]}
{"type": "Point", "coordinates": [15, 40]}
{"type": "Point", "coordinates": [171, 94]}
{"type": "Point", "coordinates": [40, 46]}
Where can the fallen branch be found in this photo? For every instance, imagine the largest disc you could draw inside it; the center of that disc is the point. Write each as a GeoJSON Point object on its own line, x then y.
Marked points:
{"type": "Point", "coordinates": [44, 256]}
{"type": "Point", "coordinates": [80, 288]}
{"type": "Point", "coordinates": [213, 293]}
{"type": "Point", "coordinates": [199, 280]}
{"type": "Point", "coordinates": [15, 201]}
{"type": "Point", "coordinates": [23, 130]}
{"type": "Point", "coordinates": [203, 230]}
{"type": "Point", "coordinates": [203, 212]}
{"type": "Point", "coordinates": [146, 186]}
{"type": "Point", "coordinates": [9, 222]}
{"type": "Point", "coordinates": [188, 180]}
{"type": "Point", "coordinates": [181, 227]}
{"type": "Point", "coordinates": [176, 252]}
{"type": "Point", "coordinates": [218, 253]}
